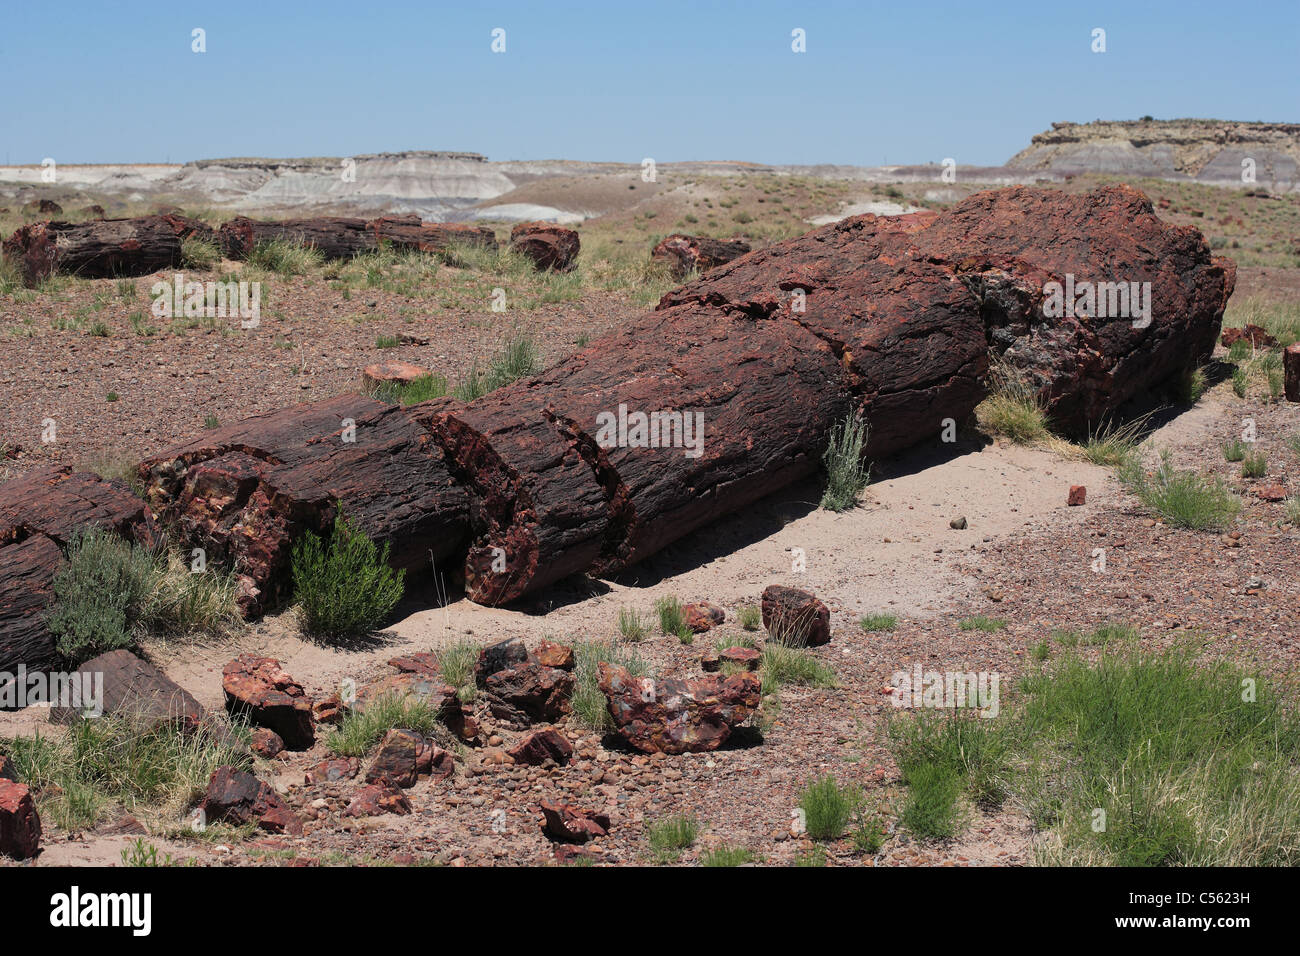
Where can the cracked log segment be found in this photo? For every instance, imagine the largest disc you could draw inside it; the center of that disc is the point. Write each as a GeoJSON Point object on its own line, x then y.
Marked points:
{"type": "Point", "coordinates": [245, 492]}
{"type": "Point", "coordinates": [102, 248]}
{"type": "Point", "coordinates": [343, 237]}
{"type": "Point", "coordinates": [685, 254]}
{"type": "Point", "coordinates": [38, 514]}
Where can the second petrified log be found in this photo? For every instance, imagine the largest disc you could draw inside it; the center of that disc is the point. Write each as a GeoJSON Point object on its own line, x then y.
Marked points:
{"type": "Point", "coordinates": [101, 248]}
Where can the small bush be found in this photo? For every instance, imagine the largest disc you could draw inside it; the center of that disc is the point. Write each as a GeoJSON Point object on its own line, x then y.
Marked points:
{"type": "Point", "coordinates": [868, 833]}
{"type": "Point", "coordinates": [1234, 450]}
{"type": "Point", "coordinates": [419, 389]}
{"type": "Point", "coordinates": [828, 807]}
{"type": "Point", "coordinates": [750, 617]}
{"type": "Point", "coordinates": [99, 595]}
{"type": "Point", "coordinates": [846, 474]}
{"type": "Point", "coordinates": [878, 622]}
{"type": "Point", "coordinates": [1240, 379]}
{"type": "Point", "coordinates": [344, 586]}
{"type": "Point", "coordinates": [386, 342]}
{"type": "Point", "coordinates": [931, 809]}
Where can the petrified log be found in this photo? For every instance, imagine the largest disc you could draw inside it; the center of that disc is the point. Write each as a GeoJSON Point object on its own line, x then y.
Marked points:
{"type": "Point", "coordinates": [546, 245]}
{"type": "Point", "coordinates": [38, 514]}
{"type": "Point", "coordinates": [335, 237]}
{"type": "Point", "coordinates": [245, 492]}
{"type": "Point", "coordinates": [101, 248]}
{"type": "Point", "coordinates": [137, 692]}
{"type": "Point", "coordinates": [724, 394]}
{"type": "Point", "coordinates": [339, 237]}
{"type": "Point", "coordinates": [685, 254]}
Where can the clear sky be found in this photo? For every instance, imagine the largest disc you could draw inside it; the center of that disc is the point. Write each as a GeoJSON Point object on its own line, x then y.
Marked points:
{"type": "Point", "coordinates": [902, 81]}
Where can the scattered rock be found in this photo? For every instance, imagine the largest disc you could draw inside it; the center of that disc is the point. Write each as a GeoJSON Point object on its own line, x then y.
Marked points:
{"type": "Point", "coordinates": [237, 797]}
{"type": "Point", "coordinates": [332, 771]}
{"type": "Point", "coordinates": [498, 657]}
{"type": "Point", "coordinates": [7, 769]}
{"type": "Point", "coordinates": [541, 746]}
{"type": "Point", "coordinates": [675, 716]}
{"type": "Point", "coordinates": [404, 755]}
{"type": "Point", "coordinates": [795, 617]}
{"type": "Point", "coordinates": [328, 710]}
{"type": "Point", "coordinates": [20, 824]}
{"type": "Point", "coordinates": [550, 654]}
{"type": "Point", "coordinates": [1257, 337]}
{"type": "Point", "coordinates": [958, 524]}
{"type": "Point", "coordinates": [424, 663]}
{"type": "Point", "coordinates": [569, 824]}
{"type": "Point", "coordinates": [390, 373]}
{"type": "Point", "coordinates": [745, 657]}
{"type": "Point", "coordinates": [529, 693]}
{"type": "Point", "coordinates": [567, 853]}
{"type": "Point", "coordinates": [546, 245]}
{"type": "Point", "coordinates": [702, 616]}
{"type": "Point", "coordinates": [1078, 495]}
{"type": "Point", "coordinates": [266, 743]}
{"type": "Point", "coordinates": [259, 689]}
{"type": "Point", "coordinates": [376, 799]}
{"type": "Point", "coordinates": [1273, 492]}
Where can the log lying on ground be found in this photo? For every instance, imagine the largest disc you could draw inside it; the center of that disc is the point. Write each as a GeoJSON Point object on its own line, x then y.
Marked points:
{"type": "Point", "coordinates": [685, 254]}
{"type": "Point", "coordinates": [546, 245]}
{"type": "Point", "coordinates": [102, 248]}
{"type": "Point", "coordinates": [338, 237]}
{"type": "Point", "coordinates": [38, 514]}
{"type": "Point", "coordinates": [245, 492]}
{"type": "Point", "coordinates": [591, 466]}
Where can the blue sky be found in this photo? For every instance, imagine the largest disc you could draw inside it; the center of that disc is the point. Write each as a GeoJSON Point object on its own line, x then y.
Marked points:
{"type": "Point", "coordinates": [898, 81]}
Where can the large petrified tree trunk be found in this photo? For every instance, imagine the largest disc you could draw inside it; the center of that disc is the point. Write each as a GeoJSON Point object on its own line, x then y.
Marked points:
{"type": "Point", "coordinates": [38, 514]}
{"type": "Point", "coordinates": [101, 248]}
{"type": "Point", "coordinates": [722, 395]}
{"type": "Point", "coordinates": [686, 254]}
{"type": "Point", "coordinates": [342, 237]}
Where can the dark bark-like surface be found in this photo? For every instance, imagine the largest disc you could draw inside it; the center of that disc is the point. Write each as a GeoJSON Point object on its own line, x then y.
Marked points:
{"type": "Point", "coordinates": [337, 237]}
{"type": "Point", "coordinates": [684, 254]}
{"type": "Point", "coordinates": [101, 248]}
{"type": "Point", "coordinates": [245, 492]}
{"type": "Point", "coordinates": [546, 245]}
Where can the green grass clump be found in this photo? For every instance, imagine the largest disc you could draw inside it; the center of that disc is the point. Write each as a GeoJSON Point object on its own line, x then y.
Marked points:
{"type": "Point", "coordinates": [1013, 408]}
{"type": "Point", "coordinates": [359, 732]}
{"type": "Point", "coordinates": [726, 855]}
{"type": "Point", "coordinates": [1190, 386]}
{"type": "Point", "coordinates": [669, 836]}
{"type": "Point", "coordinates": [670, 614]}
{"type": "Point", "coordinates": [828, 807]}
{"type": "Point", "coordinates": [285, 258]}
{"type": "Point", "coordinates": [588, 703]}
{"type": "Point", "coordinates": [344, 585]}
{"type": "Point", "coordinates": [982, 623]}
{"type": "Point", "coordinates": [198, 254]}
{"type": "Point", "coordinates": [750, 617]}
{"type": "Point", "coordinates": [630, 625]}
{"type": "Point", "coordinates": [1234, 450]}
{"type": "Point", "coordinates": [422, 388]}
{"type": "Point", "coordinates": [386, 342]}
{"type": "Point", "coordinates": [1240, 378]}
{"type": "Point", "coordinates": [517, 359]}
{"type": "Point", "coordinates": [780, 665]}
{"type": "Point", "coordinates": [1254, 465]}
{"type": "Point", "coordinates": [1184, 498]}
{"type": "Point", "coordinates": [110, 761]}
{"type": "Point", "coordinates": [846, 474]}
{"type": "Point", "coordinates": [1113, 444]}
{"type": "Point", "coordinates": [456, 664]}
{"type": "Point", "coordinates": [878, 622]}
{"type": "Point", "coordinates": [1292, 510]}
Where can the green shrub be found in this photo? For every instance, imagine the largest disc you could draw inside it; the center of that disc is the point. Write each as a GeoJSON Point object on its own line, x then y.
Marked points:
{"type": "Point", "coordinates": [670, 614]}
{"type": "Point", "coordinates": [828, 807]}
{"type": "Point", "coordinates": [750, 617]}
{"type": "Point", "coordinates": [1013, 408]}
{"type": "Point", "coordinates": [344, 585]}
{"type": "Point", "coordinates": [456, 663]}
{"type": "Point", "coordinates": [1113, 444]}
{"type": "Point", "coordinates": [630, 625]}
{"type": "Point", "coordinates": [846, 474]}
{"type": "Point", "coordinates": [99, 595]}
{"type": "Point", "coordinates": [285, 257]}
{"type": "Point", "coordinates": [726, 855]}
{"type": "Point", "coordinates": [198, 254]}
{"type": "Point", "coordinates": [1190, 386]}
{"type": "Point", "coordinates": [358, 734]}
{"type": "Point", "coordinates": [1234, 450]}
{"type": "Point", "coordinates": [1254, 465]}
{"type": "Point", "coordinates": [1240, 379]}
